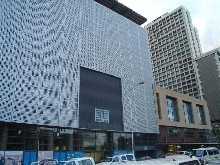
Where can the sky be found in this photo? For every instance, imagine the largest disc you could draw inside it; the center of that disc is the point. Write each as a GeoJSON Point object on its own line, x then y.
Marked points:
{"type": "Point", "coordinates": [205, 15]}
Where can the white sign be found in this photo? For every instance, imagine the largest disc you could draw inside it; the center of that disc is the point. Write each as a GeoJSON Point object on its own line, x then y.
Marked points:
{"type": "Point", "coordinates": [101, 115]}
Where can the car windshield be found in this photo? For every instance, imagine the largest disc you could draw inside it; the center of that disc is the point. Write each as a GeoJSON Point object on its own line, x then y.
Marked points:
{"type": "Point", "coordinates": [197, 153]}
{"type": "Point", "coordinates": [34, 163]}
{"type": "Point", "coordinates": [180, 153]}
{"type": "Point", "coordinates": [108, 159]}
{"type": "Point", "coordinates": [129, 157]}
{"type": "Point", "coordinates": [70, 163]}
{"type": "Point", "coordinates": [145, 158]}
{"type": "Point", "coordinates": [85, 162]}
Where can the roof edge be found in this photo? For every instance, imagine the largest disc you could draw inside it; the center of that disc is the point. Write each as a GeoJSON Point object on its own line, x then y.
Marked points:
{"type": "Point", "coordinates": [123, 10]}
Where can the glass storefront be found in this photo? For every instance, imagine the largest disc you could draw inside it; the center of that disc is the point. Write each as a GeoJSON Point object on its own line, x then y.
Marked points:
{"type": "Point", "coordinates": [95, 143]}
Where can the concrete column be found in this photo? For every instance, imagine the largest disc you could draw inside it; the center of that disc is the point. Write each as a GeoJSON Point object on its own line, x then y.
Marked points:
{"type": "Point", "coordinates": [50, 141]}
{"type": "Point", "coordinates": [3, 138]}
{"type": "Point", "coordinates": [70, 142]}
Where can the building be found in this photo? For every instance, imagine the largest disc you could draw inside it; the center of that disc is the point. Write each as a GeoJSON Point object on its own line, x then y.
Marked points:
{"type": "Point", "coordinates": [209, 70]}
{"type": "Point", "coordinates": [183, 121]}
{"type": "Point", "coordinates": [75, 79]}
{"type": "Point", "coordinates": [174, 45]}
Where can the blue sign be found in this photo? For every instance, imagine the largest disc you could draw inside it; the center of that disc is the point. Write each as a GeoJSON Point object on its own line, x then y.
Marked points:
{"type": "Point", "coordinates": [67, 155]}
{"type": "Point", "coordinates": [121, 152]}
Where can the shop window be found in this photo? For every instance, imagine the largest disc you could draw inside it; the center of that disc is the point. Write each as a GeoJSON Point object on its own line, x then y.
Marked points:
{"type": "Point", "coordinates": [15, 140]}
{"type": "Point", "coordinates": [202, 133]}
{"type": "Point", "coordinates": [31, 138]}
{"type": "Point", "coordinates": [77, 141]}
{"type": "Point", "coordinates": [144, 140]}
{"type": "Point", "coordinates": [101, 141]}
{"type": "Point", "coordinates": [46, 136]}
{"type": "Point", "coordinates": [189, 132]}
{"type": "Point", "coordinates": [88, 140]}
{"type": "Point", "coordinates": [122, 141]}
{"type": "Point", "coordinates": [173, 131]}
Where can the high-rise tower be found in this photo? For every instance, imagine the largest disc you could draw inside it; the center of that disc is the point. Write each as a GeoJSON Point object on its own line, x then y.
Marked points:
{"type": "Point", "coordinates": [174, 44]}
{"type": "Point", "coordinates": [209, 70]}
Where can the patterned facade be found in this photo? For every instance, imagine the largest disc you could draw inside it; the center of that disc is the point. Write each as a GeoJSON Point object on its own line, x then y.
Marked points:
{"type": "Point", "coordinates": [174, 45]}
{"type": "Point", "coordinates": [44, 44]}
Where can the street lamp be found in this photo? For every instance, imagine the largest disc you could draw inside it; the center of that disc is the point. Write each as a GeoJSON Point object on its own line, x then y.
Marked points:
{"type": "Point", "coordinates": [132, 131]}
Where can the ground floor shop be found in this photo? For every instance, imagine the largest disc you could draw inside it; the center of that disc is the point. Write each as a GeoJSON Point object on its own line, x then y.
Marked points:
{"type": "Point", "coordinates": [29, 143]}
{"type": "Point", "coordinates": [173, 139]}
{"type": "Point", "coordinates": [174, 147]}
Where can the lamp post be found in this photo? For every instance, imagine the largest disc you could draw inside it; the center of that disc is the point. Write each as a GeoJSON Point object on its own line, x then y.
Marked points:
{"type": "Point", "coordinates": [132, 131]}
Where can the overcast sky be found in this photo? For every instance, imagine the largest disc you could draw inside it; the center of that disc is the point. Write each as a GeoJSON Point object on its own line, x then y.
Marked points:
{"type": "Point", "coordinates": [205, 16]}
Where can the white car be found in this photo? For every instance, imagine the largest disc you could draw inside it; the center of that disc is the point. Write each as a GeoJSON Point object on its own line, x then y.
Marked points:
{"type": "Point", "coordinates": [118, 159]}
{"type": "Point", "coordinates": [79, 161]}
{"type": "Point", "coordinates": [183, 153]}
{"type": "Point", "coordinates": [206, 153]}
{"type": "Point", "coordinates": [48, 161]}
{"type": "Point", "coordinates": [172, 160]}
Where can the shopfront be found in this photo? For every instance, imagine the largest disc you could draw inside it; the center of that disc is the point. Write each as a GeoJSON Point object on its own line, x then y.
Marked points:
{"type": "Point", "coordinates": [30, 143]}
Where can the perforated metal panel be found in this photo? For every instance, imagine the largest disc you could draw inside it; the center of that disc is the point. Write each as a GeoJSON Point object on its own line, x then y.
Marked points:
{"type": "Point", "coordinates": [43, 45]}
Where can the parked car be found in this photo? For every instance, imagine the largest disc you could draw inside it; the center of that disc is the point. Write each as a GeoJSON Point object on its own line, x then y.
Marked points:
{"type": "Point", "coordinates": [144, 158]}
{"type": "Point", "coordinates": [173, 160]}
{"type": "Point", "coordinates": [183, 153]}
{"type": "Point", "coordinates": [79, 161]}
{"type": "Point", "coordinates": [7, 160]}
{"type": "Point", "coordinates": [48, 161]}
{"type": "Point", "coordinates": [206, 153]}
{"type": "Point", "coordinates": [166, 155]}
{"type": "Point", "coordinates": [169, 154]}
{"type": "Point", "coordinates": [118, 159]}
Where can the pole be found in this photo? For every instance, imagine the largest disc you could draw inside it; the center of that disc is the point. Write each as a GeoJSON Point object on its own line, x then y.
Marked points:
{"type": "Point", "coordinates": [132, 131]}
{"type": "Point", "coordinates": [132, 141]}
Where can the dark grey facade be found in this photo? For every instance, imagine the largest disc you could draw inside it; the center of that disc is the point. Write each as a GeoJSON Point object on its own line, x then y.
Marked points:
{"type": "Point", "coordinates": [100, 105]}
{"type": "Point", "coordinates": [209, 70]}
